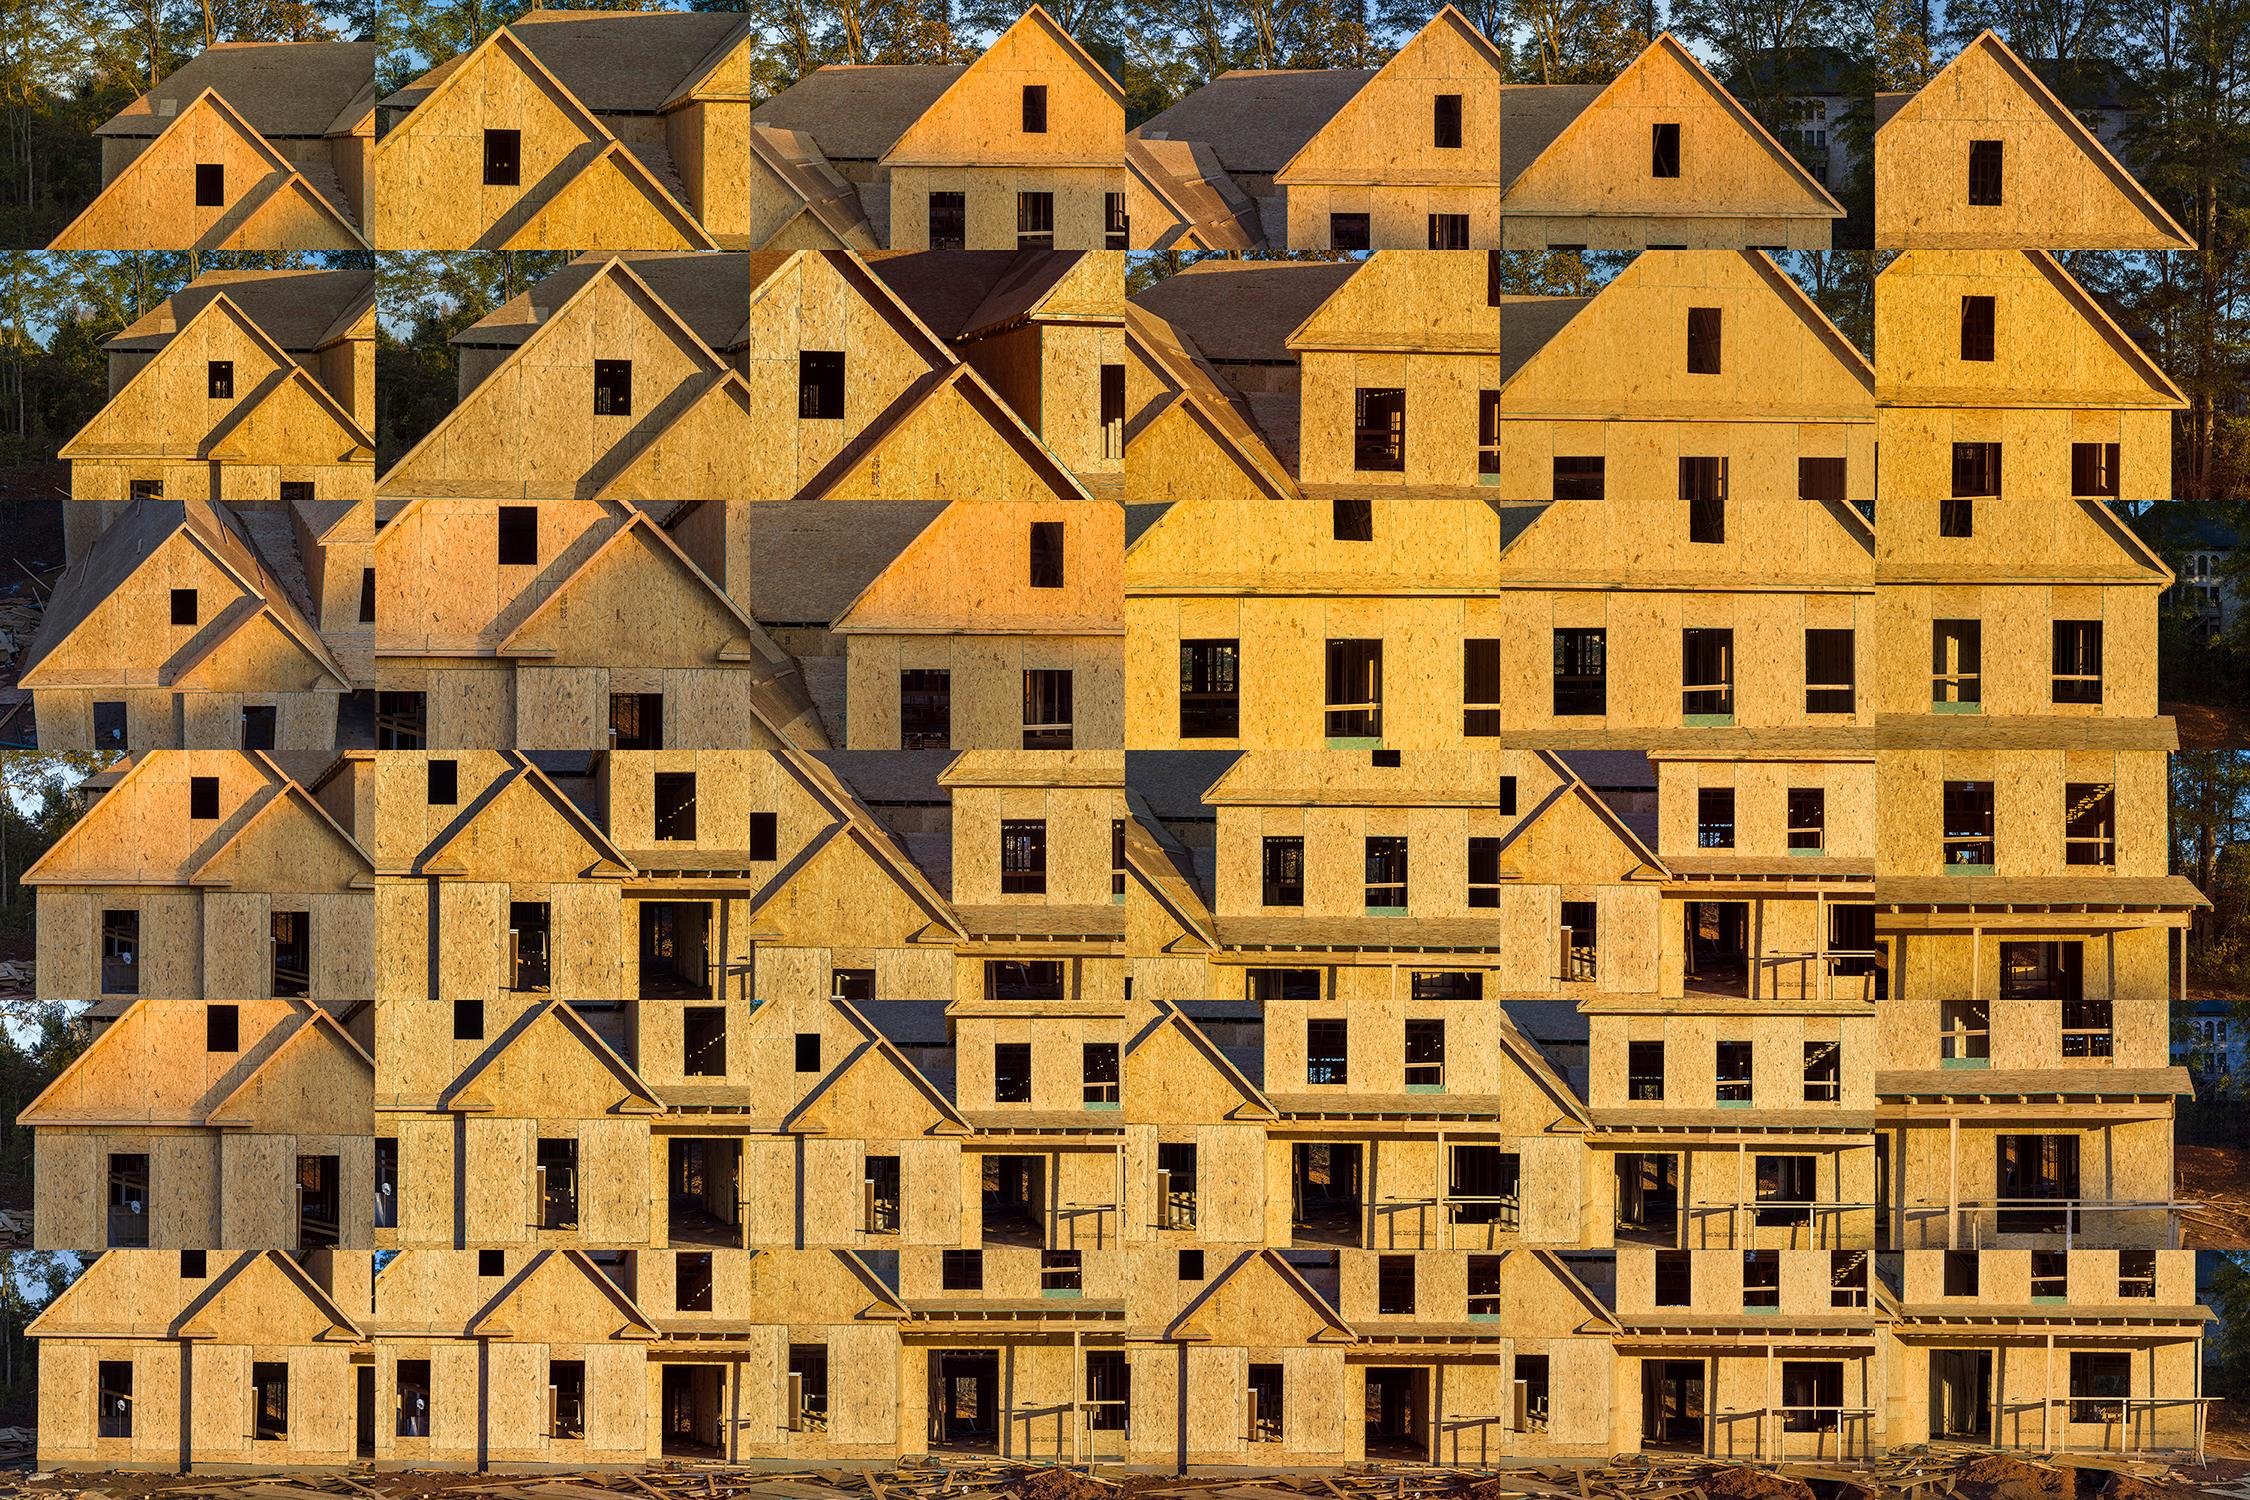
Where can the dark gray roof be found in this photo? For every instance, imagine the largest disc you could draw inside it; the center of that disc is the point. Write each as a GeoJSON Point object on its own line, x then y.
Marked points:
{"type": "Point", "coordinates": [1549, 1022]}
{"type": "Point", "coordinates": [1256, 119]}
{"type": "Point", "coordinates": [1527, 323]}
{"type": "Point", "coordinates": [1172, 782]}
{"type": "Point", "coordinates": [296, 309]}
{"type": "Point", "coordinates": [858, 113]}
{"type": "Point", "coordinates": [809, 559]}
{"type": "Point", "coordinates": [708, 290]}
{"type": "Point", "coordinates": [1532, 115]}
{"type": "Point", "coordinates": [615, 62]}
{"type": "Point", "coordinates": [1609, 769]}
{"type": "Point", "coordinates": [1243, 310]}
{"type": "Point", "coordinates": [891, 777]}
{"type": "Point", "coordinates": [281, 88]}
{"type": "Point", "coordinates": [909, 1023]}
{"type": "Point", "coordinates": [958, 292]}
{"type": "Point", "coordinates": [1140, 517]}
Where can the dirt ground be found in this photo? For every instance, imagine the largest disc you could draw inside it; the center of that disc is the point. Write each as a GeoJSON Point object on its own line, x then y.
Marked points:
{"type": "Point", "coordinates": [2218, 1178]}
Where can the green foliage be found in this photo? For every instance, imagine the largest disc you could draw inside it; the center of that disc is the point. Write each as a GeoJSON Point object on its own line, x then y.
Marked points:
{"type": "Point", "coordinates": [427, 298]}
{"type": "Point", "coordinates": [2226, 1348]}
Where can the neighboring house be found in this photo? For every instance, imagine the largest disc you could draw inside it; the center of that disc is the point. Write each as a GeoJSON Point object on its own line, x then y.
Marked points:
{"type": "Point", "coordinates": [2205, 545]}
{"type": "Point", "coordinates": [574, 130]}
{"type": "Point", "coordinates": [242, 385]}
{"type": "Point", "coordinates": [189, 624]}
{"type": "Point", "coordinates": [1474, 489]}
{"type": "Point", "coordinates": [683, 394]}
{"type": "Point", "coordinates": [248, 146]}
{"type": "Point", "coordinates": [203, 1360]}
{"type": "Point", "coordinates": [1021, 149]}
{"type": "Point", "coordinates": [2210, 1040]}
{"type": "Point", "coordinates": [568, 625]}
{"type": "Point", "coordinates": [1986, 154]}
{"type": "Point", "coordinates": [1433, 151]}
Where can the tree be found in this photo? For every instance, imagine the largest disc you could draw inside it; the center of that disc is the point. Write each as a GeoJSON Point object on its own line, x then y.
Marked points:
{"type": "Point", "coordinates": [1574, 41]}
{"type": "Point", "coordinates": [427, 298]}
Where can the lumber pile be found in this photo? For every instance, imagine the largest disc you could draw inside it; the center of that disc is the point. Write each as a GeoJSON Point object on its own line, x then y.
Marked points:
{"type": "Point", "coordinates": [1913, 1473]}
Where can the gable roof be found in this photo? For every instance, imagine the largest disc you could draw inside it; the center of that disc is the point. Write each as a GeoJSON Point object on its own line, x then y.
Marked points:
{"type": "Point", "coordinates": [132, 540]}
{"type": "Point", "coordinates": [1188, 178]}
{"type": "Point", "coordinates": [300, 310]}
{"type": "Point", "coordinates": [317, 1029]}
{"type": "Point", "coordinates": [1035, 18]}
{"type": "Point", "coordinates": [1255, 1105]}
{"type": "Point", "coordinates": [1237, 311]}
{"type": "Point", "coordinates": [1989, 44]}
{"type": "Point", "coordinates": [874, 1044]}
{"type": "Point", "coordinates": [1539, 123]}
{"type": "Point", "coordinates": [292, 179]}
{"type": "Point", "coordinates": [1185, 1330]}
{"type": "Point", "coordinates": [918, 591]}
{"type": "Point", "coordinates": [615, 62]}
{"type": "Point", "coordinates": [1256, 119]}
{"type": "Point", "coordinates": [460, 1095]}
{"type": "Point", "coordinates": [701, 288]}
{"type": "Point", "coordinates": [795, 159]}
{"type": "Point", "coordinates": [858, 112]}
{"type": "Point", "coordinates": [287, 792]}
{"type": "Point", "coordinates": [960, 294]}
{"type": "Point", "coordinates": [521, 768]}
{"type": "Point", "coordinates": [487, 1322]}
{"type": "Point", "coordinates": [1452, 20]}
{"type": "Point", "coordinates": [835, 551]}
{"type": "Point", "coordinates": [1194, 388]}
{"type": "Point", "coordinates": [279, 88]}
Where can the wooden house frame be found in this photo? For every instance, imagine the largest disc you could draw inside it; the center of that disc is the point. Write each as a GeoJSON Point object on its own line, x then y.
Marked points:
{"type": "Point", "coordinates": [172, 628]}
{"type": "Point", "coordinates": [2052, 184]}
{"type": "Point", "coordinates": [247, 1365]}
{"type": "Point", "coordinates": [248, 146]}
{"type": "Point", "coordinates": [618, 131]}
{"type": "Point", "coordinates": [1433, 151]}
{"type": "Point", "coordinates": [589, 627]}
{"type": "Point", "coordinates": [243, 385]}
{"type": "Point", "coordinates": [943, 156]}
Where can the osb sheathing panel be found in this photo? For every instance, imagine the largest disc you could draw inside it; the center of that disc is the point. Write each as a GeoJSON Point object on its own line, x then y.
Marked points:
{"type": "Point", "coordinates": [567, 708]}
{"type": "Point", "coordinates": [1918, 441]}
{"type": "Point", "coordinates": [761, 1053]}
{"type": "Point", "coordinates": [1641, 533]}
{"type": "Point", "coordinates": [258, 1208]}
{"type": "Point", "coordinates": [606, 205]}
{"type": "Point", "coordinates": [167, 410]}
{"type": "Point", "coordinates": [1761, 805]}
{"type": "Point", "coordinates": [429, 169]}
{"type": "Point", "coordinates": [792, 973]}
{"type": "Point", "coordinates": [2004, 1279]}
{"type": "Point", "coordinates": [1055, 1041]}
{"type": "Point", "coordinates": [140, 830]}
{"type": "Point", "coordinates": [2028, 1033]}
{"type": "Point", "coordinates": [69, 1384]}
{"type": "Point", "coordinates": [809, 305]}
{"type": "Point", "coordinates": [2053, 192]}
{"type": "Point", "coordinates": [980, 118]}
{"type": "Point", "coordinates": [1526, 231]}
{"type": "Point", "coordinates": [1785, 936]}
{"type": "Point", "coordinates": [69, 952]}
{"type": "Point", "coordinates": [1078, 838]}
{"type": "Point", "coordinates": [1281, 703]}
{"type": "Point", "coordinates": [1419, 546]}
{"type": "Point", "coordinates": [830, 1182]}
{"type": "Point", "coordinates": [2016, 646]}
{"type": "Point", "coordinates": [2025, 1374]}
{"type": "Point", "coordinates": [1174, 459]}
{"type": "Point", "coordinates": [440, 583]}
{"type": "Point", "coordinates": [2028, 790]}
{"type": "Point", "coordinates": [616, 1404]}
{"type": "Point", "coordinates": [1716, 1281]}
{"type": "Point", "coordinates": [1597, 165]}
{"type": "Point", "coordinates": [1777, 1060]}
{"type": "Point", "coordinates": [2128, 1160]}
{"type": "Point", "coordinates": [970, 570]}
{"type": "Point", "coordinates": [1384, 135]}
{"type": "Point", "coordinates": [499, 1183]}
{"type": "Point", "coordinates": [710, 147]}
{"type": "Point", "coordinates": [986, 686]}
{"type": "Point", "coordinates": [1398, 218]}
{"type": "Point", "coordinates": [151, 203]}
{"type": "Point", "coordinates": [1321, 1402]}
{"type": "Point", "coordinates": [2047, 349]}
{"type": "Point", "coordinates": [128, 636]}
{"type": "Point", "coordinates": [489, 446]}
{"type": "Point", "coordinates": [112, 480]}
{"type": "Point", "coordinates": [1776, 360]}
{"type": "Point", "coordinates": [636, 605]}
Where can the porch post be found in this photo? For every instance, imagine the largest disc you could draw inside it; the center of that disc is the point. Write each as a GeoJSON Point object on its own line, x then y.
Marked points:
{"type": "Point", "coordinates": [1769, 1418]}
{"type": "Point", "coordinates": [1741, 1194]}
{"type": "Point", "coordinates": [2047, 1396]}
{"type": "Point", "coordinates": [1438, 1206]}
{"type": "Point", "coordinates": [1952, 1182]}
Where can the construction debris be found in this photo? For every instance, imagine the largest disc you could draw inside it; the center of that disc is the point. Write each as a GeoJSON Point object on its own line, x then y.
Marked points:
{"type": "Point", "coordinates": [1913, 1473]}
